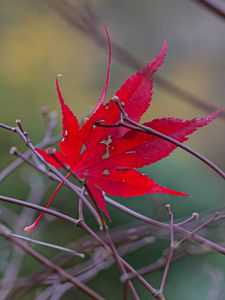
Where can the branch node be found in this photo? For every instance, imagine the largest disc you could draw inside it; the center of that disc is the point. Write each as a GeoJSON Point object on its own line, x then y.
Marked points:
{"type": "Point", "coordinates": [18, 122]}
{"type": "Point", "coordinates": [13, 151]}
{"type": "Point", "coordinates": [195, 215]}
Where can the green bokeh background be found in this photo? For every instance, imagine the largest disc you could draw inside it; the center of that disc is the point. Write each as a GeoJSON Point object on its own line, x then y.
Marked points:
{"type": "Point", "coordinates": [37, 44]}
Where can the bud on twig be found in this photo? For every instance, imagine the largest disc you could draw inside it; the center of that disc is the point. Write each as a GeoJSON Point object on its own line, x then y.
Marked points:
{"type": "Point", "coordinates": [13, 150]}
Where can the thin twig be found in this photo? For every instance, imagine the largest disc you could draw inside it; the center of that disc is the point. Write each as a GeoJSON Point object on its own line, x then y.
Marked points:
{"type": "Point", "coordinates": [127, 284]}
{"type": "Point", "coordinates": [47, 140]}
{"type": "Point", "coordinates": [80, 207]}
{"type": "Point", "coordinates": [171, 250]}
{"type": "Point", "coordinates": [37, 190]}
{"type": "Point", "coordinates": [193, 217]}
{"type": "Point", "coordinates": [85, 271]}
{"type": "Point", "coordinates": [16, 163]}
{"type": "Point", "coordinates": [155, 266]}
{"type": "Point", "coordinates": [45, 244]}
{"type": "Point", "coordinates": [23, 157]}
{"type": "Point", "coordinates": [40, 208]}
{"type": "Point", "coordinates": [215, 217]}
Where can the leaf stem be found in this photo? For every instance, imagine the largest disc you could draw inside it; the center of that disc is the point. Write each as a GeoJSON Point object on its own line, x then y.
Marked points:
{"type": "Point", "coordinates": [37, 221]}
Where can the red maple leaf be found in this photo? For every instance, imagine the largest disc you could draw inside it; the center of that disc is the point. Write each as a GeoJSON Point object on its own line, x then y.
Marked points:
{"type": "Point", "coordinates": [107, 158]}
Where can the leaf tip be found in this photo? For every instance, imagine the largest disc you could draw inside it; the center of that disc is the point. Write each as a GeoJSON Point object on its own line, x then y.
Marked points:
{"type": "Point", "coordinates": [105, 88]}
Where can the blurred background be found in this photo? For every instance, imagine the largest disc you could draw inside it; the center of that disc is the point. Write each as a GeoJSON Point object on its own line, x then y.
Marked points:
{"type": "Point", "coordinates": [39, 41]}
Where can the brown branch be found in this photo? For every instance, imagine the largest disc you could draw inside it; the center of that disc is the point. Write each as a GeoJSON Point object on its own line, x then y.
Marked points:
{"type": "Point", "coordinates": [85, 271]}
{"type": "Point", "coordinates": [155, 266]}
{"type": "Point", "coordinates": [178, 228]}
{"type": "Point", "coordinates": [25, 137]}
{"type": "Point", "coordinates": [19, 130]}
{"type": "Point", "coordinates": [113, 250]}
{"type": "Point", "coordinates": [84, 288]}
{"type": "Point", "coordinates": [152, 290]}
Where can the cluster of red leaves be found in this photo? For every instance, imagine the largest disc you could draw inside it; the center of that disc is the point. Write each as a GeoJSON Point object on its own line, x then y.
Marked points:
{"type": "Point", "coordinates": [106, 158]}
